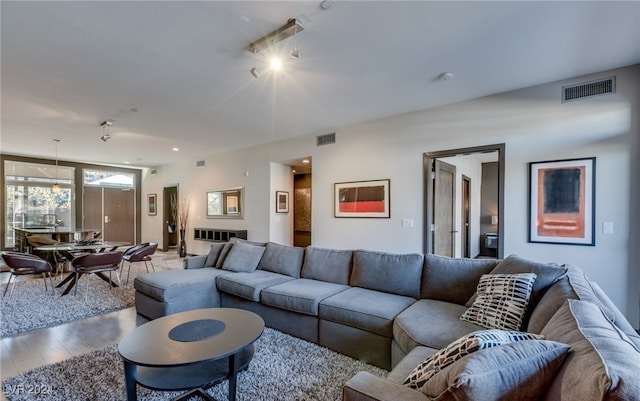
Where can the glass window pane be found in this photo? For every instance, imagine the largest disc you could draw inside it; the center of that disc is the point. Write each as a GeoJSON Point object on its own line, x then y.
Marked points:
{"type": "Point", "coordinates": [108, 179]}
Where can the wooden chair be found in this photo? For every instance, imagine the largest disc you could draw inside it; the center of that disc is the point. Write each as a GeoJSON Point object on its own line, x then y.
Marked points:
{"type": "Point", "coordinates": [21, 264]}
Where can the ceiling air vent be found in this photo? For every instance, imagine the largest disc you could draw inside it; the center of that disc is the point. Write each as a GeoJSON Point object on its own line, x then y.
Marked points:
{"type": "Point", "coordinates": [588, 89]}
{"type": "Point", "coordinates": [326, 139]}
{"type": "Point", "coordinates": [200, 163]}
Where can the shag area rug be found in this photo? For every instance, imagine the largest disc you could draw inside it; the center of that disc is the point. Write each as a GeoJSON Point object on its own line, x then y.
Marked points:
{"type": "Point", "coordinates": [30, 308]}
{"type": "Point", "coordinates": [284, 368]}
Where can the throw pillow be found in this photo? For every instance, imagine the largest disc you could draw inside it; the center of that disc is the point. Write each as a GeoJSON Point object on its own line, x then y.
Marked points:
{"type": "Point", "coordinates": [461, 347]}
{"type": "Point", "coordinates": [213, 254]}
{"type": "Point", "coordinates": [516, 371]}
{"type": "Point", "coordinates": [243, 257]}
{"type": "Point", "coordinates": [502, 301]}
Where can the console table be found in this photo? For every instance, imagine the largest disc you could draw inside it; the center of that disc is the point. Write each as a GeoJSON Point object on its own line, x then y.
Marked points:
{"type": "Point", "coordinates": [61, 234]}
{"type": "Point", "coordinates": [217, 234]}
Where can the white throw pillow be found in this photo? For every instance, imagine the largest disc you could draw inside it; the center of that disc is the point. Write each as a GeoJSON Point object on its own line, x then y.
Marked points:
{"type": "Point", "coordinates": [461, 347]}
{"type": "Point", "coordinates": [502, 301]}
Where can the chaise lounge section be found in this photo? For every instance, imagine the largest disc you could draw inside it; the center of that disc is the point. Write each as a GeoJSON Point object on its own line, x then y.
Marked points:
{"type": "Point", "coordinates": [395, 311]}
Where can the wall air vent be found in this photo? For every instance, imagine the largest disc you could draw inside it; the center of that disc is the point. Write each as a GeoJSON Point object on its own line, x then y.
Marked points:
{"type": "Point", "coordinates": [326, 139]}
{"type": "Point", "coordinates": [582, 90]}
{"type": "Point", "coordinates": [153, 171]}
{"type": "Point", "coordinates": [200, 163]}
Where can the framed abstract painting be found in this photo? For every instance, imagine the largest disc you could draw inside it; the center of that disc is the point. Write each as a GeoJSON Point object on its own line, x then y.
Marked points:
{"type": "Point", "coordinates": [562, 201]}
{"type": "Point", "coordinates": [362, 199]}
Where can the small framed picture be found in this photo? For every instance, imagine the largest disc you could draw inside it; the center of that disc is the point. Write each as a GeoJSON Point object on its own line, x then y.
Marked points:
{"type": "Point", "coordinates": [562, 201]}
{"type": "Point", "coordinates": [362, 199]}
{"type": "Point", "coordinates": [152, 205]}
{"type": "Point", "coordinates": [282, 202]}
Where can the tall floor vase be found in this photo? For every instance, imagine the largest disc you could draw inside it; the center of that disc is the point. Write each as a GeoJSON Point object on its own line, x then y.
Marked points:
{"type": "Point", "coordinates": [182, 246]}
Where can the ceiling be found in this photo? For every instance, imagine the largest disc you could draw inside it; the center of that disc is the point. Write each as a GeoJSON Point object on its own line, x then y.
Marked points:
{"type": "Point", "coordinates": [174, 73]}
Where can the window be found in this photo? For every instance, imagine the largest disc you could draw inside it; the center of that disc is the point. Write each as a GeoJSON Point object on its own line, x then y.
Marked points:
{"type": "Point", "coordinates": [31, 200]}
{"type": "Point", "coordinates": [108, 179]}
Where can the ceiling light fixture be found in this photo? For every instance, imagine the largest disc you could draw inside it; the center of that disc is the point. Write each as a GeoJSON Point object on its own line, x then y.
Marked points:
{"type": "Point", "coordinates": [295, 53]}
{"type": "Point", "coordinates": [287, 30]}
{"type": "Point", "coordinates": [56, 187]}
{"type": "Point", "coordinates": [105, 130]}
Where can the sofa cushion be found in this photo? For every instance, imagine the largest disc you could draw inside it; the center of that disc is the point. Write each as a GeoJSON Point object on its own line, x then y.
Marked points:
{"type": "Point", "coordinates": [171, 285]}
{"type": "Point", "coordinates": [214, 253]}
{"type": "Point", "coordinates": [282, 259]}
{"type": "Point", "coordinates": [546, 274]}
{"type": "Point", "coordinates": [515, 371]}
{"type": "Point", "coordinates": [602, 364]}
{"type": "Point", "coordinates": [364, 309]}
{"type": "Point", "coordinates": [330, 265]}
{"type": "Point", "coordinates": [452, 279]}
{"type": "Point", "coordinates": [243, 257]}
{"type": "Point", "coordinates": [301, 295]}
{"type": "Point", "coordinates": [461, 347]}
{"type": "Point", "coordinates": [392, 273]}
{"type": "Point", "coordinates": [249, 285]}
{"type": "Point", "coordinates": [501, 301]}
{"type": "Point", "coordinates": [415, 325]}
{"type": "Point", "coordinates": [223, 254]}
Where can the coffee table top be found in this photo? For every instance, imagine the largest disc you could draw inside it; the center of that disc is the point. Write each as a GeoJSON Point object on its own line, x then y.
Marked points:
{"type": "Point", "coordinates": [190, 337]}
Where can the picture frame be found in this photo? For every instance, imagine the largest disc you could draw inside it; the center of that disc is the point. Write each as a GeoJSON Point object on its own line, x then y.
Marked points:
{"type": "Point", "coordinates": [562, 201]}
{"type": "Point", "coordinates": [362, 199]}
{"type": "Point", "coordinates": [233, 207]}
{"type": "Point", "coordinates": [152, 204]}
{"type": "Point", "coordinates": [282, 202]}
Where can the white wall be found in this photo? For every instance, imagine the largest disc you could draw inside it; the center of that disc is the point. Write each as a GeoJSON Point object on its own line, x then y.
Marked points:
{"type": "Point", "coordinates": [532, 123]}
{"type": "Point", "coordinates": [281, 224]}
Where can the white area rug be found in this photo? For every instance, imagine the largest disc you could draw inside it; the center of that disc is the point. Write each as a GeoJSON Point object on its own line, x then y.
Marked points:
{"type": "Point", "coordinates": [30, 308]}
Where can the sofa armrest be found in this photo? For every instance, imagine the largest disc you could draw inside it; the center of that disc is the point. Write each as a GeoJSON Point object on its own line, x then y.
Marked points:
{"type": "Point", "coordinates": [194, 262]}
{"type": "Point", "coordinates": [366, 387]}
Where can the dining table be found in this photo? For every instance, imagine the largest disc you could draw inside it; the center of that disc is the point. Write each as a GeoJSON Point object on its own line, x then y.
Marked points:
{"type": "Point", "coordinates": [71, 250]}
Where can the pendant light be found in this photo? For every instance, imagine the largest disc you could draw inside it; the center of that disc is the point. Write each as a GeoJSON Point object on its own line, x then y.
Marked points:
{"type": "Point", "coordinates": [56, 187]}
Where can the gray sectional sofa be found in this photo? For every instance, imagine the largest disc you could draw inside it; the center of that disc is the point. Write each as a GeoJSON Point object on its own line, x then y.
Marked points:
{"type": "Point", "coordinates": [396, 310]}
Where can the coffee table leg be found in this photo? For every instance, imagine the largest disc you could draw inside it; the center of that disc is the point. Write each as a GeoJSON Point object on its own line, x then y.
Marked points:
{"type": "Point", "coordinates": [233, 374]}
{"type": "Point", "coordinates": [130, 381]}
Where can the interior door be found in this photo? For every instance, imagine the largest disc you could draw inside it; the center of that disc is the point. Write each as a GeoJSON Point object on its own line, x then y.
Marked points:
{"type": "Point", "coordinates": [444, 195]}
{"type": "Point", "coordinates": [466, 217]}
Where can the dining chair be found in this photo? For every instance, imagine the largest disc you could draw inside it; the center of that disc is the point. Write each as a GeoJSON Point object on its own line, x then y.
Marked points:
{"type": "Point", "coordinates": [139, 253]}
{"type": "Point", "coordinates": [54, 257]}
{"type": "Point", "coordinates": [98, 264]}
{"type": "Point", "coordinates": [21, 264]}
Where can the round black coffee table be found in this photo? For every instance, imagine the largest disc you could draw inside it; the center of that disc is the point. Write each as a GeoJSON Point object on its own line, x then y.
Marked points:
{"type": "Point", "coordinates": [190, 350]}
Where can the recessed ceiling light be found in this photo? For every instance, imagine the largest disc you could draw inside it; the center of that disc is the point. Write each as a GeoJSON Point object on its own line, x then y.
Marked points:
{"type": "Point", "coordinates": [445, 76]}
{"type": "Point", "coordinates": [175, 149]}
{"type": "Point", "coordinates": [126, 162]}
{"type": "Point", "coordinates": [305, 161]}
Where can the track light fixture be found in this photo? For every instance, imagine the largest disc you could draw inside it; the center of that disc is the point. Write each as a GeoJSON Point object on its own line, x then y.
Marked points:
{"type": "Point", "coordinates": [287, 30]}
{"type": "Point", "coordinates": [105, 130]}
{"type": "Point", "coordinates": [254, 72]}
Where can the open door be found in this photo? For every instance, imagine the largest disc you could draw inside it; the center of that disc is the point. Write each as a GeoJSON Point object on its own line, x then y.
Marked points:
{"type": "Point", "coordinates": [444, 196]}
{"type": "Point", "coordinates": [169, 218]}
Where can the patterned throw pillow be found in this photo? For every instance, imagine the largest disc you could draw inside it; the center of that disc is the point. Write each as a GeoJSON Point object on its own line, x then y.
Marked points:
{"type": "Point", "coordinates": [463, 346]}
{"type": "Point", "coordinates": [502, 301]}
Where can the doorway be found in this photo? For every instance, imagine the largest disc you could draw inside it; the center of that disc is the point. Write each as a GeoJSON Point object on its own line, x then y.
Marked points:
{"type": "Point", "coordinates": [111, 210]}
{"type": "Point", "coordinates": [469, 216]}
{"type": "Point", "coordinates": [170, 217]}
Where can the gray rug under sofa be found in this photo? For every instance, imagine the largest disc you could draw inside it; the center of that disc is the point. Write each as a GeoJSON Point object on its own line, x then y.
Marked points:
{"type": "Point", "coordinates": [402, 311]}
